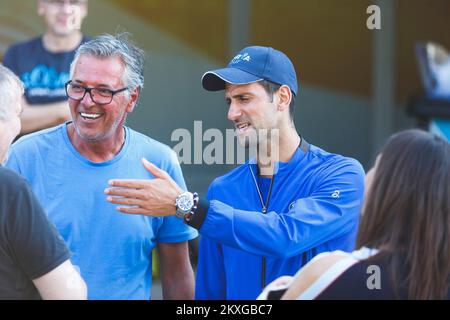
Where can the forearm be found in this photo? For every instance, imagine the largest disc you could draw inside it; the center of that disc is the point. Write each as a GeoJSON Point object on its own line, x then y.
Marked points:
{"type": "Point", "coordinates": [178, 285]}
{"type": "Point", "coordinates": [62, 283]}
{"type": "Point", "coordinates": [284, 234]}
{"type": "Point", "coordinates": [39, 117]}
{"type": "Point", "coordinates": [177, 276]}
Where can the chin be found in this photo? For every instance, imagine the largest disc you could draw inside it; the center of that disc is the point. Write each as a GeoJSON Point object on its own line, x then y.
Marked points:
{"type": "Point", "coordinates": [63, 31]}
{"type": "Point", "coordinates": [243, 143]}
{"type": "Point", "coordinates": [247, 142]}
{"type": "Point", "coordinates": [91, 137]}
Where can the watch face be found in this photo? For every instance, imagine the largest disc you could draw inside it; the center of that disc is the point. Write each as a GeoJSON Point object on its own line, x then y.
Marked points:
{"type": "Point", "coordinates": [185, 203]}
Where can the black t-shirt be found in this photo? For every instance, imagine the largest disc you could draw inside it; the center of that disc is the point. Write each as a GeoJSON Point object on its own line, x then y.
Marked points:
{"type": "Point", "coordinates": [43, 73]}
{"type": "Point", "coordinates": [30, 245]}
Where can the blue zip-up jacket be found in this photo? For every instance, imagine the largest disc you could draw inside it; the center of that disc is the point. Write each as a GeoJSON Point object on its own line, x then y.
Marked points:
{"type": "Point", "coordinates": [314, 207]}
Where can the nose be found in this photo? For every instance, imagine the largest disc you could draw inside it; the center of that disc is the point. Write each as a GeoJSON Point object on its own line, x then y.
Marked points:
{"type": "Point", "coordinates": [233, 112]}
{"type": "Point", "coordinates": [87, 100]}
{"type": "Point", "coordinates": [69, 9]}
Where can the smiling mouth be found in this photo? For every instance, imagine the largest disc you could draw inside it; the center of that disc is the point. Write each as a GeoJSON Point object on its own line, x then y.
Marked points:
{"type": "Point", "coordinates": [90, 116]}
{"type": "Point", "coordinates": [243, 126]}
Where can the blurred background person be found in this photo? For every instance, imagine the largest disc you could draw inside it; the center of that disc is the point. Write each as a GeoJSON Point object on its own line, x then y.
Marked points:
{"type": "Point", "coordinates": [43, 63]}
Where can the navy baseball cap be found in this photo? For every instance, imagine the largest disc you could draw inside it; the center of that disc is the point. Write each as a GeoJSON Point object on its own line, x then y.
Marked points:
{"type": "Point", "coordinates": [253, 64]}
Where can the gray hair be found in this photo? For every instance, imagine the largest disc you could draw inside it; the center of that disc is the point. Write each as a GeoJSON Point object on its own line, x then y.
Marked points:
{"type": "Point", "coordinates": [10, 85]}
{"type": "Point", "coordinates": [106, 46]}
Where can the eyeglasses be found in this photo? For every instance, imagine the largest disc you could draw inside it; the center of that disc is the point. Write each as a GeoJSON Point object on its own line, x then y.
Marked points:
{"type": "Point", "coordinates": [98, 95]}
{"type": "Point", "coordinates": [63, 2]}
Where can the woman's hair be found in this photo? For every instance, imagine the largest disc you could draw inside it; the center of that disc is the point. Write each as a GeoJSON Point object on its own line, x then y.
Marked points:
{"type": "Point", "coordinates": [407, 212]}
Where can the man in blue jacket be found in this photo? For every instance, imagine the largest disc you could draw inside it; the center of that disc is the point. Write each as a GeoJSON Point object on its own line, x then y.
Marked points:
{"type": "Point", "coordinates": [262, 221]}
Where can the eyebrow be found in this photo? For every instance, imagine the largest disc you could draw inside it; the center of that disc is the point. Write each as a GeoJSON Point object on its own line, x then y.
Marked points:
{"type": "Point", "coordinates": [239, 95]}
{"type": "Point", "coordinates": [99, 86]}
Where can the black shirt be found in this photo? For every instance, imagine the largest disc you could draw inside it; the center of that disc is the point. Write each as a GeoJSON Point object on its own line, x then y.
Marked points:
{"type": "Point", "coordinates": [30, 246]}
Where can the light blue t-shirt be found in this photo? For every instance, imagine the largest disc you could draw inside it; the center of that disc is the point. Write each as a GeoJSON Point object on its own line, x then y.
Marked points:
{"type": "Point", "coordinates": [111, 249]}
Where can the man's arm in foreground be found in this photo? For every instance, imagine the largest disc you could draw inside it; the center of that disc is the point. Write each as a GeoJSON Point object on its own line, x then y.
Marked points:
{"type": "Point", "coordinates": [62, 283]}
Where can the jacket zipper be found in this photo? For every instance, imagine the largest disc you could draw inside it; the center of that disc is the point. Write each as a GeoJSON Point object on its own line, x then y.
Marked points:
{"type": "Point", "coordinates": [263, 211]}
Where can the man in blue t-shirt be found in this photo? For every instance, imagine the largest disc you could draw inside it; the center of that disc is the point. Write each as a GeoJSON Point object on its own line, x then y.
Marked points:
{"type": "Point", "coordinates": [70, 165]}
{"type": "Point", "coordinates": [43, 63]}
{"type": "Point", "coordinates": [270, 216]}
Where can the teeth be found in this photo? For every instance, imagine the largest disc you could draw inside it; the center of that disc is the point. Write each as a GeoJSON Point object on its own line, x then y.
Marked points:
{"type": "Point", "coordinates": [90, 115]}
{"type": "Point", "coordinates": [242, 126]}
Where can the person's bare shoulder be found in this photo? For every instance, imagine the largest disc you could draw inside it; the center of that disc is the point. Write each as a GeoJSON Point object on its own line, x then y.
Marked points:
{"type": "Point", "coordinates": [311, 272]}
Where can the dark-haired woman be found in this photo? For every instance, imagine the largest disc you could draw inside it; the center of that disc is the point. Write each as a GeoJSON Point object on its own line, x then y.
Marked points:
{"type": "Point", "coordinates": [404, 233]}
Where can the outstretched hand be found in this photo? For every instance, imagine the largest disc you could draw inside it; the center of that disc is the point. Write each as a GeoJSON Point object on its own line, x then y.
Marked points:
{"type": "Point", "coordinates": [147, 197]}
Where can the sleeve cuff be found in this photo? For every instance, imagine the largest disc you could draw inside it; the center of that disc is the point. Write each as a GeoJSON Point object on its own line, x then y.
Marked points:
{"type": "Point", "coordinates": [199, 217]}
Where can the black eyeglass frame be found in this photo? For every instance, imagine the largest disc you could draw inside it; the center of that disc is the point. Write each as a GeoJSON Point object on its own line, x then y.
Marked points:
{"type": "Point", "coordinates": [87, 89]}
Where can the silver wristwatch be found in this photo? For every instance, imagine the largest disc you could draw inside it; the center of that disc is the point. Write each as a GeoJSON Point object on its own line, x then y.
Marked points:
{"type": "Point", "coordinates": [185, 204]}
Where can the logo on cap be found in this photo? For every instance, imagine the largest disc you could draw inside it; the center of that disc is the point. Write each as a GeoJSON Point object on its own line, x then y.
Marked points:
{"type": "Point", "coordinates": [241, 57]}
